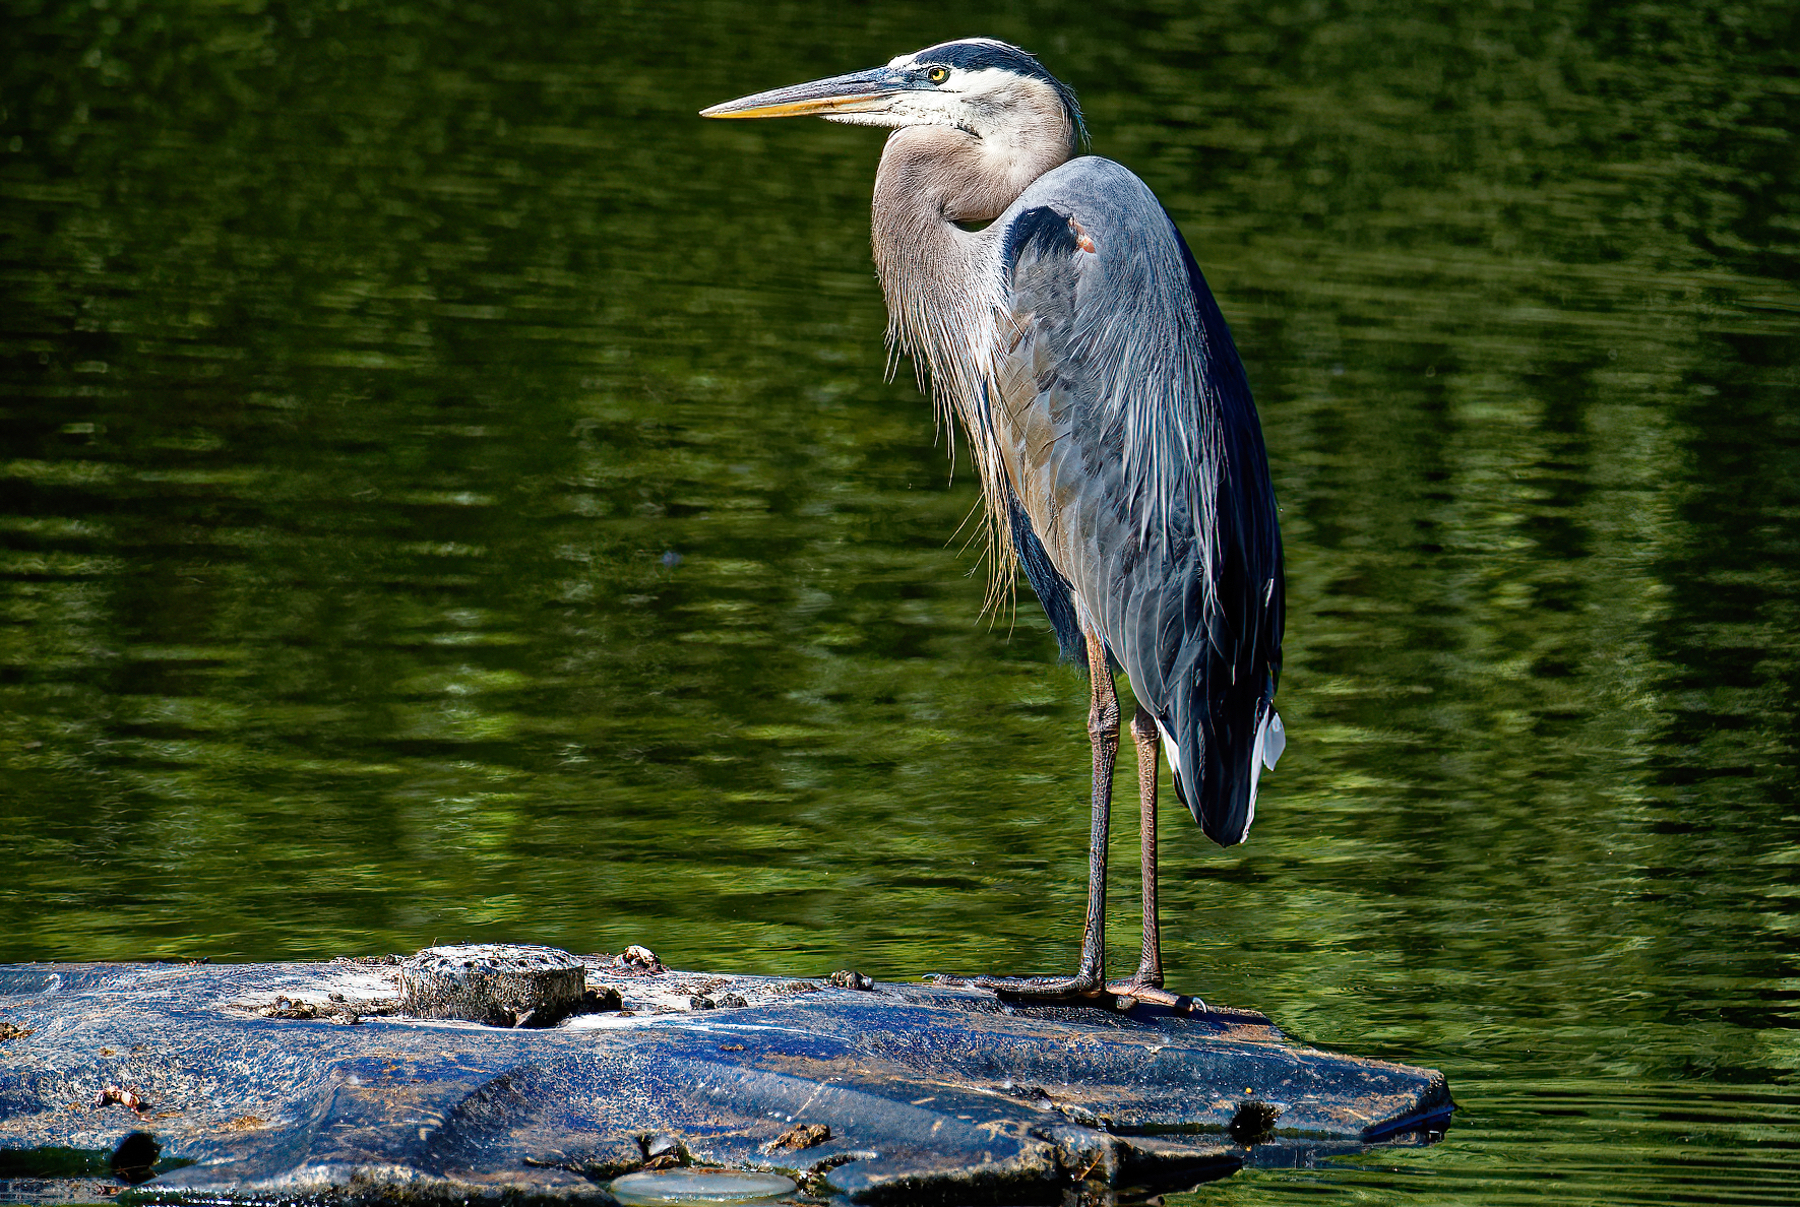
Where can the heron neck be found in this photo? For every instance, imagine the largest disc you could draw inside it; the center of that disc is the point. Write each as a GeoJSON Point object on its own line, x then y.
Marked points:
{"type": "Point", "coordinates": [942, 283]}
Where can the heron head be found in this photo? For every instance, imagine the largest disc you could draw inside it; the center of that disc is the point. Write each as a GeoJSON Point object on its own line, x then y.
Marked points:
{"type": "Point", "coordinates": [983, 87]}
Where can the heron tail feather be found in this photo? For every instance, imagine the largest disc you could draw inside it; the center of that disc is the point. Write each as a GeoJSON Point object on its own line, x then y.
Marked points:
{"type": "Point", "coordinates": [1217, 773]}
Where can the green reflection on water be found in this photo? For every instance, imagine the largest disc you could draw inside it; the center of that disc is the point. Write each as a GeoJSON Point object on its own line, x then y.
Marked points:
{"type": "Point", "coordinates": [448, 492]}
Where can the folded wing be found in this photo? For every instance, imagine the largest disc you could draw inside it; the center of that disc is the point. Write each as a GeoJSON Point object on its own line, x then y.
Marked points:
{"type": "Point", "coordinates": [1143, 507]}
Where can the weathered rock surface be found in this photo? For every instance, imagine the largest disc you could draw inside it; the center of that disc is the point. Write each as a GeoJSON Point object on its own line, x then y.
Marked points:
{"type": "Point", "coordinates": [498, 984]}
{"type": "Point", "coordinates": [283, 1082]}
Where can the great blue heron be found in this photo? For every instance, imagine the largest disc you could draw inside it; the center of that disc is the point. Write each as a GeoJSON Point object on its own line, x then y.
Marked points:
{"type": "Point", "coordinates": [1061, 318]}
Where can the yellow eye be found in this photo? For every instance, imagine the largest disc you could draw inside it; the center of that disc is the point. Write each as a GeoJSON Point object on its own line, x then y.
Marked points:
{"type": "Point", "coordinates": [938, 75]}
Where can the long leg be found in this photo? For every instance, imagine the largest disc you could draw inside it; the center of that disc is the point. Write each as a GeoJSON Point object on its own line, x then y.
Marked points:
{"type": "Point", "coordinates": [1149, 747]}
{"type": "Point", "coordinates": [1103, 738]}
{"type": "Point", "coordinates": [1146, 983]}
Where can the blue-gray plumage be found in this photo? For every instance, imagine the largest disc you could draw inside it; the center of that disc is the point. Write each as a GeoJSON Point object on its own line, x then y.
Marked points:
{"type": "Point", "coordinates": [1062, 319]}
{"type": "Point", "coordinates": [1134, 423]}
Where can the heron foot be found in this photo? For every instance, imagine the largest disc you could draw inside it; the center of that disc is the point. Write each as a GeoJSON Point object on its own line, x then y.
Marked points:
{"type": "Point", "coordinates": [1137, 989]}
{"type": "Point", "coordinates": [1082, 987]}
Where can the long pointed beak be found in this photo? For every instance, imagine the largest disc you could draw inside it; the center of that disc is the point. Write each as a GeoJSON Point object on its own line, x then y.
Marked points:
{"type": "Point", "coordinates": [858, 92]}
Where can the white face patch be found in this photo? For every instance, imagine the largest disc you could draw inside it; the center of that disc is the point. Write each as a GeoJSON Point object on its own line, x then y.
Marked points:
{"type": "Point", "coordinates": [980, 102]}
{"type": "Point", "coordinates": [990, 83]}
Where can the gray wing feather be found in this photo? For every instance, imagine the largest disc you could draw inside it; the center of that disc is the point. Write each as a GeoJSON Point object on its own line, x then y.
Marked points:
{"type": "Point", "coordinates": [1127, 424]}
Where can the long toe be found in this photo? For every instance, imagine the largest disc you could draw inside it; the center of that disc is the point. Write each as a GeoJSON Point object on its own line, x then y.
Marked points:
{"type": "Point", "coordinates": [1040, 988]}
{"type": "Point", "coordinates": [1134, 991]}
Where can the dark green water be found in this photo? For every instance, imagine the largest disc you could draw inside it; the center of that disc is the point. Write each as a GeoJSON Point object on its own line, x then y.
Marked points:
{"type": "Point", "coordinates": [448, 492]}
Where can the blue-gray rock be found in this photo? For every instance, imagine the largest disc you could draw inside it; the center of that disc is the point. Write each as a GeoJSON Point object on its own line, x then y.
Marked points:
{"type": "Point", "coordinates": [282, 1082]}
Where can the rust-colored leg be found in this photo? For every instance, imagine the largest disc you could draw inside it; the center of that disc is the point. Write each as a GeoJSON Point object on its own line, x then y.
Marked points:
{"type": "Point", "coordinates": [1103, 738]}
{"type": "Point", "coordinates": [1145, 984]}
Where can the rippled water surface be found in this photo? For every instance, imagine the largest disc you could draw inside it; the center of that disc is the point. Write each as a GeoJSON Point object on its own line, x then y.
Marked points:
{"type": "Point", "coordinates": [448, 491]}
